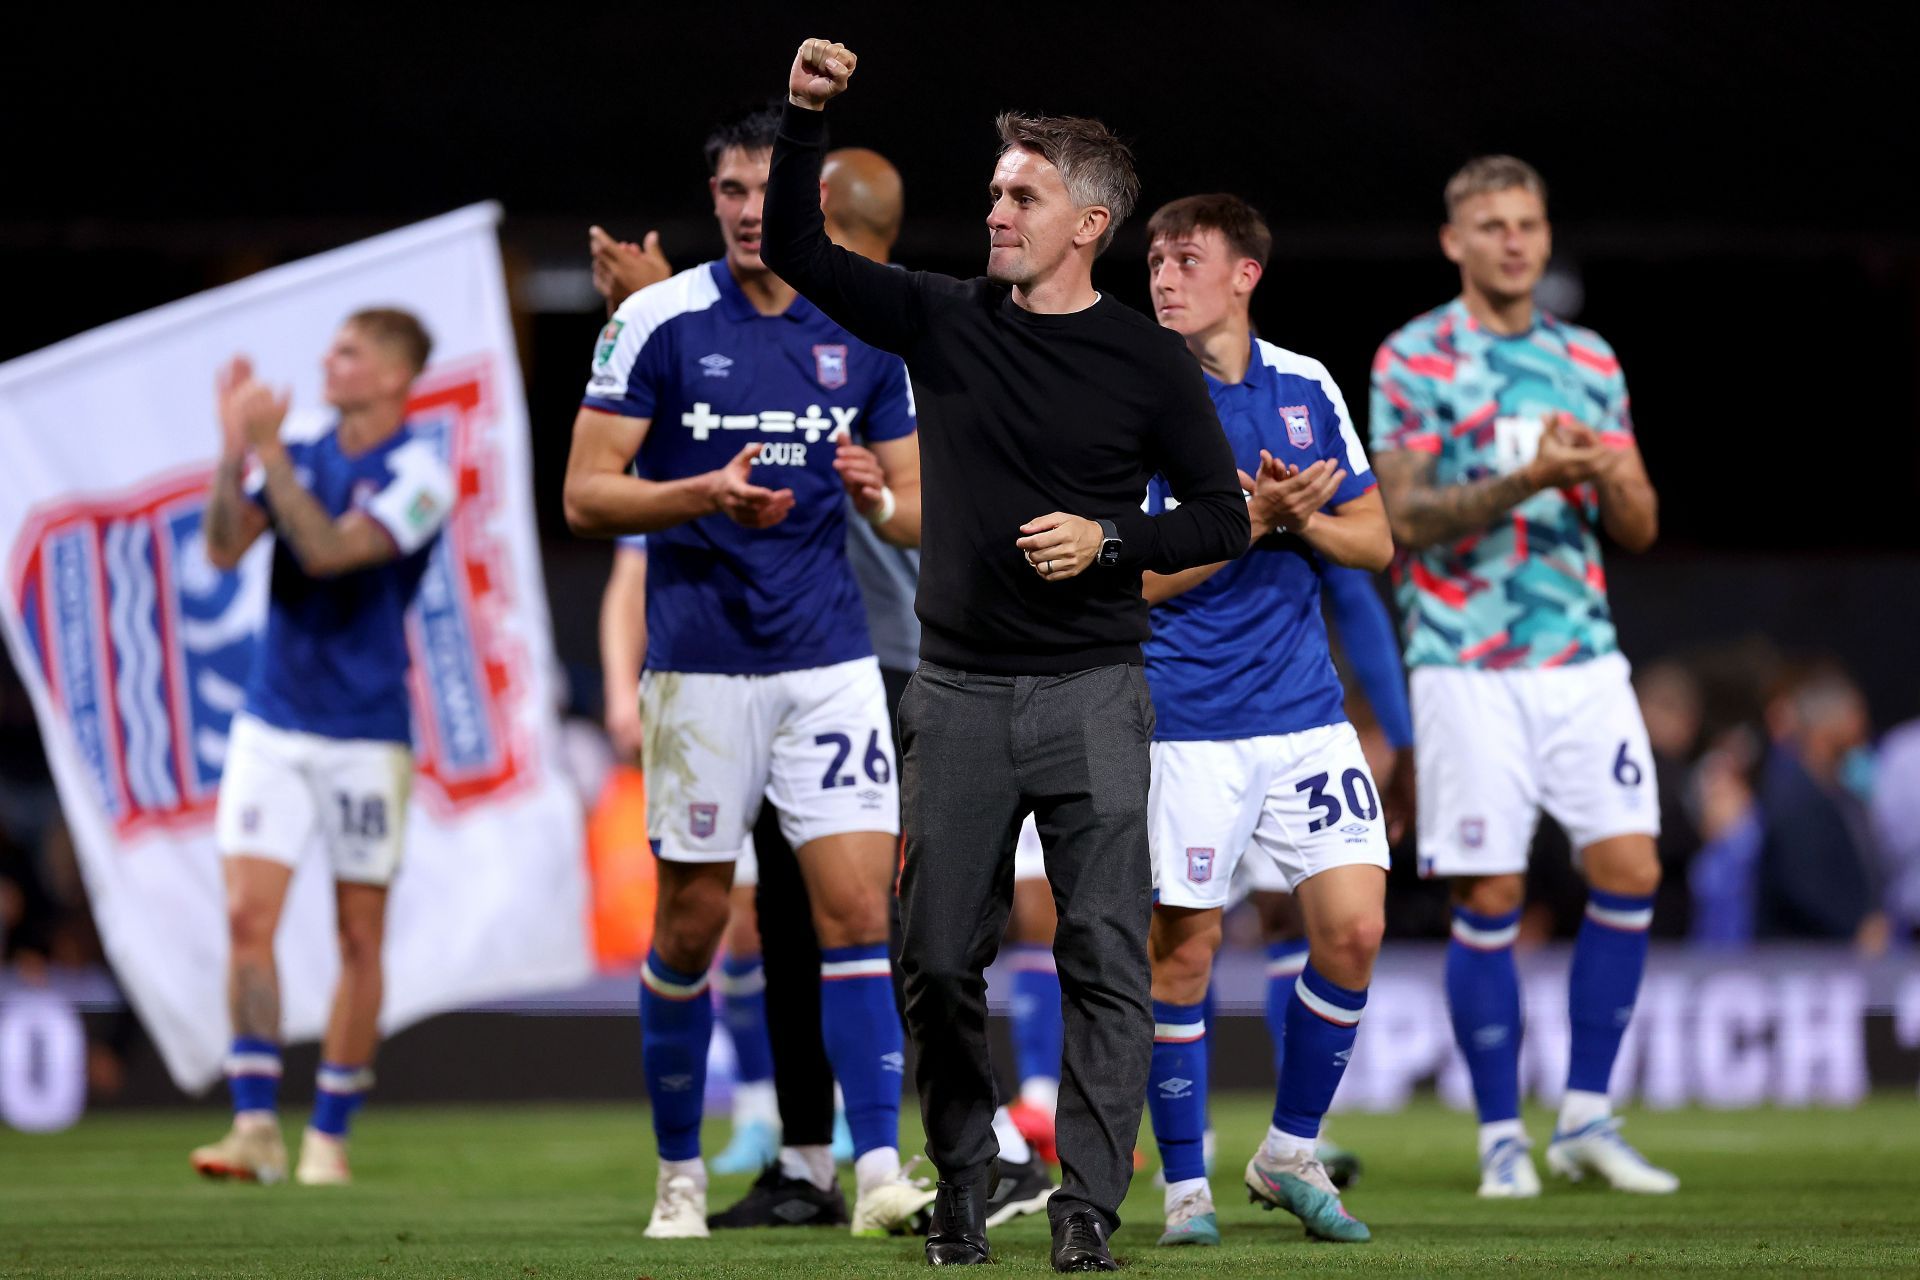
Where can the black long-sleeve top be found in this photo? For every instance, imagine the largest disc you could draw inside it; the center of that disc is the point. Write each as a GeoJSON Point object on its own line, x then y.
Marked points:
{"type": "Point", "coordinates": [1021, 414]}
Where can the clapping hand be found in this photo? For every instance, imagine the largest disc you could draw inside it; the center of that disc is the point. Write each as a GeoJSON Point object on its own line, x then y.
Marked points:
{"type": "Point", "coordinates": [250, 411]}
{"type": "Point", "coordinates": [622, 268]}
{"type": "Point", "coordinates": [860, 471]}
{"type": "Point", "coordinates": [1287, 497]}
{"type": "Point", "coordinates": [744, 502]}
{"type": "Point", "coordinates": [1570, 454]}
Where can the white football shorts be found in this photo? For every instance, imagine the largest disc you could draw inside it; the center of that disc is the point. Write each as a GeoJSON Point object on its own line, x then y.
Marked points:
{"type": "Point", "coordinates": [279, 788]}
{"type": "Point", "coordinates": [815, 742]}
{"type": "Point", "coordinates": [1300, 802]}
{"type": "Point", "coordinates": [1494, 748]}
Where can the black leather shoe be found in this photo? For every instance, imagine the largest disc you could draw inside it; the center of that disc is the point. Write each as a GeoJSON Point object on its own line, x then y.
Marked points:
{"type": "Point", "coordinates": [957, 1233]}
{"type": "Point", "coordinates": [1080, 1244]}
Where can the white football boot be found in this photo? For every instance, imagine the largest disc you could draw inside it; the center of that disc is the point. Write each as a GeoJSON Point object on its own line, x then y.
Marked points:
{"type": "Point", "coordinates": [1599, 1148]}
{"type": "Point", "coordinates": [1507, 1172]}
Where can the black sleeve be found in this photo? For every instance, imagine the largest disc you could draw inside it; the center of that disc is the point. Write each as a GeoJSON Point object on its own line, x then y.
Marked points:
{"type": "Point", "coordinates": [1210, 524]}
{"type": "Point", "coordinates": [876, 303]}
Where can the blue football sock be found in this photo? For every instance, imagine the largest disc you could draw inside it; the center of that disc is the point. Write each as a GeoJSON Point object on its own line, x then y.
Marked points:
{"type": "Point", "coordinates": [861, 1028]}
{"type": "Point", "coordinates": [1037, 1024]}
{"type": "Point", "coordinates": [253, 1074]}
{"type": "Point", "coordinates": [676, 1022]}
{"type": "Point", "coordinates": [1322, 1020]}
{"type": "Point", "coordinates": [743, 998]}
{"type": "Point", "coordinates": [1285, 960]}
{"type": "Point", "coordinates": [1177, 1089]}
{"type": "Point", "coordinates": [339, 1091]}
{"type": "Point", "coordinates": [1483, 993]}
{"type": "Point", "coordinates": [1608, 959]}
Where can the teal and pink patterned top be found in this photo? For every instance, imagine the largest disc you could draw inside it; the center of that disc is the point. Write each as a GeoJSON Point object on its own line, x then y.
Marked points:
{"type": "Point", "coordinates": [1529, 591]}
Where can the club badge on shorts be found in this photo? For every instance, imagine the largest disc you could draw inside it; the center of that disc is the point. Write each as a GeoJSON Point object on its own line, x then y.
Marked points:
{"type": "Point", "coordinates": [1199, 865]}
{"type": "Point", "coordinates": [702, 819]}
{"type": "Point", "coordinates": [1299, 425]}
{"type": "Point", "coordinates": [1473, 832]}
{"type": "Point", "coordinates": [830, 365]}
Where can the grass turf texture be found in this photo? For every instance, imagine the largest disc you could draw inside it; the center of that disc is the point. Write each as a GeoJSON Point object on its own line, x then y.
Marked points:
{"type": "Point", "coordinates": [550, 1192]}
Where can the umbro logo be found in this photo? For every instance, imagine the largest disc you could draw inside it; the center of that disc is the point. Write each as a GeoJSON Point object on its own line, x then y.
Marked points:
{"type": "Point", "coordinates": [1342, 1058]}
{"type": "Point", "coordinates": [1176, 1088]}
{"type": "Point", "coordinates": [894, 1062]}
{"type": "Point", "coordinates": [676, 1083]}
{"type": "Point", "coordinates": [1489, 1037]}
{"type": "Point", "coordinates": [716, 365]}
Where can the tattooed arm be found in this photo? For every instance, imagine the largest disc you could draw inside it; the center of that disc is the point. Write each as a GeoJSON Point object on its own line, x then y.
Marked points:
{"type": "Point", "coordinates": [1425, 514]}
{"type": "Point", "coordinates": [324, 546]}
{"type": "Point", "coordinates": [231, 523]}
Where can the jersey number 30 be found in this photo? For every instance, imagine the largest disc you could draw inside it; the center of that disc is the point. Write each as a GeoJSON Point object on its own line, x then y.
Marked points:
{"type": "Point", "coordinates": [1360, 797]}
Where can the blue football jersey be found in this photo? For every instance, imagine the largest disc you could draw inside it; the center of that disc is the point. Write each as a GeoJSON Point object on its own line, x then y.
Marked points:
{"type": "Point", "coordinates": [1245, 653]}
{"type": "Point", "coordinates": [333, 658]}
{"type": "Point", "coordinates": [713, 374]}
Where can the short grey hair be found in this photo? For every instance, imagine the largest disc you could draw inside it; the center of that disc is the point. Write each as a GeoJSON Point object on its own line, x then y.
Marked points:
{"type": "Point", "coordinates": [1096, 166]}
{"type": "Point", "coordinates": [1485, 174]}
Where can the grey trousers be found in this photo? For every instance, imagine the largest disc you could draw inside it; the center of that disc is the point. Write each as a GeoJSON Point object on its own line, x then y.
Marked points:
{"type": "Point", "coordinates": [980, 753]}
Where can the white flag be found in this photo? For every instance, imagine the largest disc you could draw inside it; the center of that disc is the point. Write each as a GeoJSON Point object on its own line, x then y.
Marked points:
{"type": "Point", "coordinates": [136, 650]}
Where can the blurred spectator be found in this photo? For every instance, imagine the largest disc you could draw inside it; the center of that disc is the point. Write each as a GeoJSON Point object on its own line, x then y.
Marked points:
{"type": "Point", "coordinates": [1670, 703]}
{"type": "Point", "coordinates": [1817, 867]}
{"type": "Point", "coordinates": [1724, 872]}
{"type": "Point", "coordinates": [1896, 825]}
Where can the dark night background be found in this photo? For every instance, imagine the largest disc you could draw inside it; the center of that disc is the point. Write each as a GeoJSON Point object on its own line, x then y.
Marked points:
{"type": "Point", "coordinates": [1732, 185]}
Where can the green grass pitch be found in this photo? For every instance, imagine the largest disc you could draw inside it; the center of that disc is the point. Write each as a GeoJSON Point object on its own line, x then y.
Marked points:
{"type": "Point", "coordinates": [518, 1192]}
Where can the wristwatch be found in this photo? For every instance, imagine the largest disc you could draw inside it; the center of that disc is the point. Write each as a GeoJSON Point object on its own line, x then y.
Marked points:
{"type": "Point", "coordinates": [1109, 543]}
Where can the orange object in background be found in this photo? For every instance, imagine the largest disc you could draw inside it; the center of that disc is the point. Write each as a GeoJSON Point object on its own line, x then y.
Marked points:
{"type": "Point", "coordinates": [620, 872]}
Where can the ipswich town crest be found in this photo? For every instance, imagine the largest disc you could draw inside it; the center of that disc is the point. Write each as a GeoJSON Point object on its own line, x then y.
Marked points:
{"type": "Point", "coordinates": [1199, 865]}
{"type": "Point", "coordinates": [830, 365]}
{"type": "Point", "coordinates": [1299, 425]}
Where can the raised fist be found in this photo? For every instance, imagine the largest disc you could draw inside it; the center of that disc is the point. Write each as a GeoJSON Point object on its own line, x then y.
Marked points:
{"type": "Point", "coordinates": [820, 72]}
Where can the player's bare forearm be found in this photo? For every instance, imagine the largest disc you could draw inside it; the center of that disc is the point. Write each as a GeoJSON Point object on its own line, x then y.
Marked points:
{"type": "Point", "coordinates": [325, 547]}
{"type": "Point", "coordinates": [900, 467]}
{"type": "Point", "coordinates": [226, 526]}
{"type": "Point", "coordinates": [1629, 505]}
{"type": "Point", "coordinates": [1423, 514]}
{"type": "Point", "coordinates": [902, 528]}
{"type": "Point", "coordinates": [1355, 534]}
{"type": "Point", "coordinates": [612, 504]}
{"type": "Point", "coordinates": [1158, 588]}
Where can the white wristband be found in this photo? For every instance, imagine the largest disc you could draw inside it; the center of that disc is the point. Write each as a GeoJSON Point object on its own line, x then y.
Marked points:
{"type": "Point", "coordinates": [884, 512]}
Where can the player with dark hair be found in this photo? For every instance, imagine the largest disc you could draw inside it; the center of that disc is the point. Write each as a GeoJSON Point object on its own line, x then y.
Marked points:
{"type": "Point", "coordinates": [324, 742]}
{"type": "Point", "coordinates": [1047, 407]}
{"type": "Point", "coordinates": [710, 424]}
